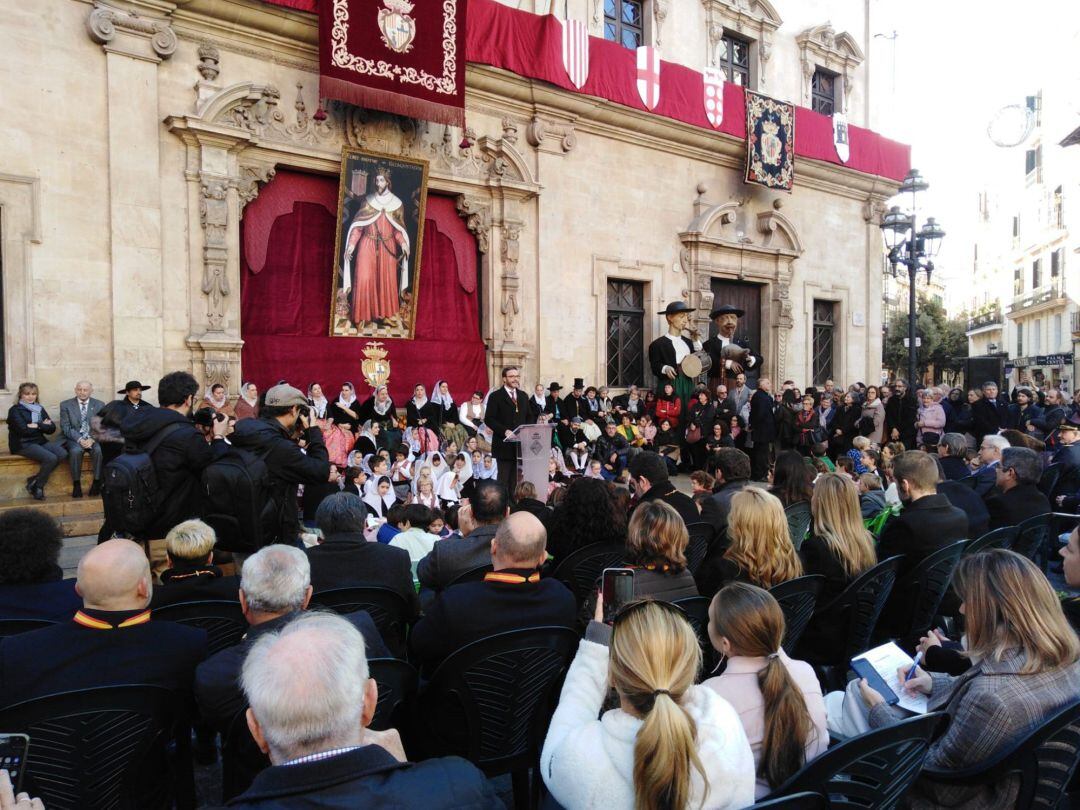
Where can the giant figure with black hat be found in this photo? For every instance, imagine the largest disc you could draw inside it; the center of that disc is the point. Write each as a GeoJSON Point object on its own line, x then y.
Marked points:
{"type": "Point", "coordinates": [730, 357]}
{"type": "Point", "coordinates": [667, 352]}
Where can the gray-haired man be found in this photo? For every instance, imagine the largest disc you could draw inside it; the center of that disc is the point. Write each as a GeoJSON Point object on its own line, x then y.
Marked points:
{"type": "Point", "coordinates": [75, 416]}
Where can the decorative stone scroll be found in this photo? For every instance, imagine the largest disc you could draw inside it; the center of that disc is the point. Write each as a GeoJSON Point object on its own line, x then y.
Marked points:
{"type": "Point", "coordinates": [104, 22]}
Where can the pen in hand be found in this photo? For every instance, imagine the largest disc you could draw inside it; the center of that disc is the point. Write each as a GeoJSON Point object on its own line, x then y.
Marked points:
{"type": "Point", "coordinates": [914, 666]}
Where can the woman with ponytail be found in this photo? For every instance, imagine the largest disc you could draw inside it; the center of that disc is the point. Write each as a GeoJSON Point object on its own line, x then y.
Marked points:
{"type": "Point", "coordinates": [670, 745]}
{"type": "Point", "coordinates": [778, 699]}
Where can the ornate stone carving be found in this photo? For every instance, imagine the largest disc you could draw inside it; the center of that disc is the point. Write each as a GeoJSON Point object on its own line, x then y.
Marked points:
{"type": "Point", "coordinates": [509, 130]}
{"type": "Point", "coordinates": [214, 216]}
{"type": "Point", "coordinates": [873, 210]}
{"type": "Point", "coordinates": [451, 154]}
{"type": "Point", "coordinates": [477, 216]}
{"type": "Point", "coordinates": [550, 136]}
{"type": "Point", "coordinates": [821, 46]}
{"type": "Point", "coordinates": [660, 12]}
{"type": "Point", "coordinates": [756, 20]}
{"type": "Point", "coordinates": [209, 57]}
{"type": "Point", "coordinates": [259, 114]}
{"type": "Point", "coordinates": [511, 281]}
{"type": "Point", "coordinates": [252, 178]}
{"type": "Point", "coordinates": [104, 22]}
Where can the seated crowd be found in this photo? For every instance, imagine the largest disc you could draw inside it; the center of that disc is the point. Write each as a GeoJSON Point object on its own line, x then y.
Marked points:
{"type": "Point", "coordinates": [686, 696]}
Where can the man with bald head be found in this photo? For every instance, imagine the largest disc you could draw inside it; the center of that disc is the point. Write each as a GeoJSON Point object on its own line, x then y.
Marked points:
{"type": "Point", "coordinates": [511, 597]}
{"type": "Point", "coordinates": [110, 641]}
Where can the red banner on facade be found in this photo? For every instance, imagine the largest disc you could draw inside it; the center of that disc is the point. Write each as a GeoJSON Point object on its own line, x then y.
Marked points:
{"type": "Point", "coordinates": [397, 56]}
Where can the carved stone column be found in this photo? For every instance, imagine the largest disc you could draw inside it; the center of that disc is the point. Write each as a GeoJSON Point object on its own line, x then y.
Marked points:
{"type": "Point", "coordinates": [510, 281]}
{"type": "Point", "coordinates": [214, 216]}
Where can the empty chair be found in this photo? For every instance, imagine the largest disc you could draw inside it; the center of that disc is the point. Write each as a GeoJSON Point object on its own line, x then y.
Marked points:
{"type": "Point", "coordinates": [387, 608]}
{"type": "Point", "coordinates": [1032, 538]}
{"type": "Point", "coordinates": [580, 571]}
{"type": "Point", "coordinates": [222, 620]}
{"type": "Point", "coordinates": [93, 749]}
{"type": "Point", "coordinates": [398, 682]}
{"type": "Point", "coordinates": [798, 518]}
{"type": "Point", "coordinates": [1004, 537]}
{"type": "Point", "coordinates": [797, 598]}
{"type": "Point", "coordinates": [873, 770]}
{"type": "Point", "coordinates": [1044, 759]}
{"type": "Point", "coordinates": [241, 758]}
{"type": "Point", "coordinates": [701, 535]}
{"type": "Point", "coordinates": [917, 596]}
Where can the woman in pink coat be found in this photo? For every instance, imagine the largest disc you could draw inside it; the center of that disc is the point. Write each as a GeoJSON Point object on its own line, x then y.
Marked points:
{"type": "Point", "coordinates": [931, 419]}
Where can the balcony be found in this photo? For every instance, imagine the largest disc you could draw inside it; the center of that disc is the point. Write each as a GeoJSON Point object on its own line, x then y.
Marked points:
{"type": "Point", "coordinates": [1076, 324]}
{"type": "Point", "coordinates": [990, 316]}
{"type": "Point", "coordinates": [1046, 297]}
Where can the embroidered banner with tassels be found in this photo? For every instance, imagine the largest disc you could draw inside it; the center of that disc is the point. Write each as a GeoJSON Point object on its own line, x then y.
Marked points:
{"type": "Point", "coordinates": [398, 56]}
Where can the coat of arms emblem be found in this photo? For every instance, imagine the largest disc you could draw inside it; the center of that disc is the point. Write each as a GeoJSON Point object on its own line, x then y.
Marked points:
{"type": "Point", "coordinates": [398, 28]}
{"type": "Point", "coordinates": [376, 367]}
{"type": "Point", "coordinates": [840, 136]}
{"type": "Point", "coordinates": [771, 146]}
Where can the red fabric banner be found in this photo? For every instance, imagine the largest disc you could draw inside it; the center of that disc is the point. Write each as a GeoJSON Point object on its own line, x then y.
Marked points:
{"type": "Point", "coordinates": [285, 305]}
{"type": "Point", "coordinates": [402, 57]}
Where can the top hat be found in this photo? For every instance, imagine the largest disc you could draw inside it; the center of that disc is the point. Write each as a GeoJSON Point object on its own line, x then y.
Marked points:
{"type": "Point", "coordinates": [578, 383]}
{"type": "Point", "coordinates": [726, 309]}
{"type": "Point", "coordinates": [132, 385]}
{"type": "Point", "coordinates": [676, 307]}
{"type": "Point", "coordinates": [554, 387]}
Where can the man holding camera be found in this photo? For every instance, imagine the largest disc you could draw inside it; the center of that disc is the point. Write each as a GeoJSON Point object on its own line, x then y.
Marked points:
{"type": "Point", "coordinates": [284, 418]}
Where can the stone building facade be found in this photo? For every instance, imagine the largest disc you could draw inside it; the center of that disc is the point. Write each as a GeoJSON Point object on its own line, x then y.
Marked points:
{"type": "Point", "coordinates": [137, 131]}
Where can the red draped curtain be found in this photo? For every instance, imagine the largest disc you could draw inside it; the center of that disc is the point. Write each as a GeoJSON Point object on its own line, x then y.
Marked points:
{"type": "Point", "coordinates": [287, 235]}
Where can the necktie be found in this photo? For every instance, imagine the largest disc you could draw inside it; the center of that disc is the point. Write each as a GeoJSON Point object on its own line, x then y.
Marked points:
{"type": "Point", "coordinates": [82, 410]}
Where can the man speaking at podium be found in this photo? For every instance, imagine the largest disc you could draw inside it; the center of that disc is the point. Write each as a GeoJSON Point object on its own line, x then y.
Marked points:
{"type": "Point", "coordinates": [507, 409]}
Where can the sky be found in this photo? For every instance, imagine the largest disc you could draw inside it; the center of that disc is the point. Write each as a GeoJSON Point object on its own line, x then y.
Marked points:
{"type": "Point", "coordinates": [957, 62]}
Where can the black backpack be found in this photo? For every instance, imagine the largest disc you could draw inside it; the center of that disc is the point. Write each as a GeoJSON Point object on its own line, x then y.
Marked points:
{"type": "Point", "coordinates": [238, 502]}
{"type": "Point", "coordinates": [130, 492]}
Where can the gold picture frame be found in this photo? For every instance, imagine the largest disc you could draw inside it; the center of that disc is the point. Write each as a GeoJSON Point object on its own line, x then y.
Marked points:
{"type": "Point", "coordinates": [378, 245]}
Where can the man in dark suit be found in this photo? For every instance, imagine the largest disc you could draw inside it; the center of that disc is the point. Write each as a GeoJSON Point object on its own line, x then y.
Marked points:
{"type": "Point", "coordinates": [901, 413]}
{"type": "Point", "coordinates": [110, 641]}
{"type": "Point", "coordinates": [275, 588]}
{"type": "Point", "coordinates": [132, 401]}
{"type": "Point", "coordinates": [511, 597]}
{"type": "Point", "coordinates": [965, 498]}
{"type": "Point", "coordinates": [192, 575]}
{"type": "Point", "coordinates": [507, 409]}
{"type": "Point", "coordinates": [762, 429]}
{"type": "Point", "coordinates": [732, 475]}
{"type": "Point", "coordinates": [311, 700]}
{"type": "Point", "coordinates": [649, 478]}
{"type": "Point", "coordinates": [345, 559]}
{"type": "Point", "coordinates": [553, 405]}
{"type": "Point", "coordinates": [988, 414]}
{"type": "Point", "coordinates": [1017, 480]}
{"type": "Point", "coordinates": [951, 449]}
{"type": "Point", "coordinates": [990, 450]}
{"type": "Point", "coordinates": [575, 404]}
{"type": "Point", "coordinates": [1068, 456]}
{"type": "Point", "coordinates": [928, 521]}
{"type": "Point", "coordinates": [75, 416]}
{"type": "Point", "coordinates": [478, 521]}
{"type": "Point", "coordinates": [726, 369]}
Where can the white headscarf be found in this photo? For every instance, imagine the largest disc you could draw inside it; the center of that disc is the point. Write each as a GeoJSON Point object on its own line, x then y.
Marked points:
{"type": "Point", "coordinates": [483, 473]}
{"type": "Point", "coordinates": [446, 402]}
{"type": "Point", "coordinates": [218, 404]}
{"type": "Point", "coordinates": [347, 403]}
{"type": "Point", "coordinates": [449, 489]}
{"type": "Point", "coordinates": [419, 403]}
{"type": "Point", "coordinates": [372, 499]}
{"type": "Point", "coordinates": [243, 395]}
{"type": "Point", "coordinates": [381, 408]}
{"type": "Point", "coordinates": [319, 404]}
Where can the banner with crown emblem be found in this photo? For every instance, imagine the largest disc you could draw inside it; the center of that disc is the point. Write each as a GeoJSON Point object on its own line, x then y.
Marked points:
{"type": "Point", "coordinates": [398, 56]}
{"type": "Point", "coordinates": [770, 142]}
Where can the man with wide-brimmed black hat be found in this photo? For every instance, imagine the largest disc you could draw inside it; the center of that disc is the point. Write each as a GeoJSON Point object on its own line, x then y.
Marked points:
{"type": "Point", "coordinates": [730, 357]}
{"type": "Point", "coordinates": [553, 404]}
{"type": "Point", "coordinates": [132, 400]}
{"type": "Point", "coordinates": [668, 351]}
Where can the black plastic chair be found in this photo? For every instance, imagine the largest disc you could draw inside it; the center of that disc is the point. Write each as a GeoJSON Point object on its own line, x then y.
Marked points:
{"type": "Point", "coordinates": [701, 536]}
{"type": "Point", "coordinates": [93, 749]}
{"type": "Point", "coordinates": [506, 687]}
{"type": "Point", "coordinates": [696, 609]}
{"type": "Point", "coordinates": [472, 575]}
{"type": "Point", "coordinates": [796, 801]}
{"type": "Point", "coordinates": [398, 682]}
{"type": "Point", "coordinates": [873, 770]}
{"type": "Point", "coordinates": [797, 598]}
{"type": "Point", "coordinates": [920, 592]}
{"type": "Point", "coordinates": [1032, 538]}
{"type": "Point", "coordinates": [241, 759]}
{"type": "Point", "coordinates": [1005, 537]}
{"type": "Point", "coordinates": [1049, 479]}
{"type": "Point", "coordinates": [222, 620]}
{"type": "Point", "coordinates": [12, 627]}
{"type": "Point", "coordinates": [387, 608]}
{"type": "Point", "coordinates": [1044, 759]}
{"type": "Point", "coordinates": [798, 521]}
{"type": "Point", "coordinates": [581, 569]}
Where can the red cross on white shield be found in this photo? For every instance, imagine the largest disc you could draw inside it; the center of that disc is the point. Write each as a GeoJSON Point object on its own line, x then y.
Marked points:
{"type": "Point", "coordinates": [648, 76]}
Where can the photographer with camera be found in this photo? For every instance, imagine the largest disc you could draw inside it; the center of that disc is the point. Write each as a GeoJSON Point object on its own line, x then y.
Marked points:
{"type": "Point", "coordinates": [284, 419]}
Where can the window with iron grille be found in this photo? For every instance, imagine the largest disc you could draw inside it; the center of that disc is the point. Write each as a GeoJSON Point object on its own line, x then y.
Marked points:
{"type": "Point", "coordinates": [735, 59]}
{"type": "Point", "coordinates": [624, 22]}
{"type": "Point", "coordinates": [824, 340]}
{"type": "Point", "coordinates": [823, 91]}
{"type": "Point", "coordinates": [625, 333]}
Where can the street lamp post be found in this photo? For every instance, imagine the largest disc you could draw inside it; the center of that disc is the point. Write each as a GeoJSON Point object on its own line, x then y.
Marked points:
{"type": "Point", "coordinates": [914, 248]}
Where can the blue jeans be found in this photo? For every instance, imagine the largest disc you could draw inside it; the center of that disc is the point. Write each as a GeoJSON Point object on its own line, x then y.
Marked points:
{"type": "Point", "coordinates": [49, 455]}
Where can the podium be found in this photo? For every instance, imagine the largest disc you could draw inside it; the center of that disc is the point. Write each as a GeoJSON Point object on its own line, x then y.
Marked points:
{"type": "Point", "coordinates": [534, 453]}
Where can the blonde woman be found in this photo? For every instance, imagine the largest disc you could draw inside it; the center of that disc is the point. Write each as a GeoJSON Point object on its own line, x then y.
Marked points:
{"type": "Point", "coordinates": [656, 540]}
{"type": "Point", "coordinates": [839, 548]}
{"type": "Point", "coordinates": [761, 552]}
{"type": "Point", "coordinates": [670, 744]}
{"type": "Point", "coordinates": [28, 426]}
{"type": "Point", "coordinates": [778, 700]}
{"type": "Point", "coordinates": [1025, 666]}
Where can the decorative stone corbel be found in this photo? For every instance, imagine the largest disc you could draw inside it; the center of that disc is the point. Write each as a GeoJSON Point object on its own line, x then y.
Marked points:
{"type": "Point", "coordinates": [509, 130]}
{"type": "Point", "coordinates": [510, 281]}
{"type": "Point", "coordinates": [550, 136]}
{"type": "Point", "coordinates": [104, 22]}
{"type": "Point", "coordinates": [253, 176]}
{"type": "Point", "coordinates": [207, 86]}
{"type": "Point", "coordinates": [660, 12]}
{"type": "Point", "coordinates": [214, 217]}
{"type": "Point", "coordinates": [477, 216]}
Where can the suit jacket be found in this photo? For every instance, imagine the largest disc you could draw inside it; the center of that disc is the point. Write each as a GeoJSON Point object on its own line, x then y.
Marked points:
{"type": "Point", "coordinates": [820, 642]}
{"type": "Point", "coordinates": [348, 560]}
{"type": "Point", "coordinates": [471, 611]}
{"type": "Point", "coordinates": [70, 656]}
{"type": "Point", "coordinates": [501, 416]}
{"type": "Point", "coordinates": [52, 600]}
{"type": "Point", "coordinates": [762, 419]}
{"type": "Point", "coordinates": [452, 558]}
{"type": "Point", "coordinates": [989, 706]}
{"type": "Point", "coordinates": [955, 468]}
{"type": "Point", "coordinates": [71, 417]}
{"type": "Point", "coordinates": [1068, 456]}
{"type": "Point", "coordinates": [715, 509]}
{"type": "Point", "coordinates": [714, 346]}
{"type": "Point", "coordinates": [370, 777]}
{"type": "Point", "coordinates": [964, 497]}
{"type": "Point", "coordinates": [986, 480]}
{"type": "Point", "coordinates": [217, 679]}
{"type": "Point", "coordinates": [988, 418]}
{"type": "Point", "coordinates": [662, 353]}
{"type": "Point", "coordinates": [194, 583]}
{"type": "Point", "coordinates": [576, 406]}
{"type": "Point", "coordinates": [683, 504]}
{"type": "Point", "coordinates": [740, 398]}
{"type": "Point", "coordinates": [1017, 505]}
{"type": "Point", "coordinates": [921, 528]}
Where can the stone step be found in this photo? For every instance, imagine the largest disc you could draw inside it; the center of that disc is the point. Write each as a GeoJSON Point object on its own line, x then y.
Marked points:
{"type": "Point", "coordinates": [14, 470]}
{"type": "Point", "coordinates": [77, 516]}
